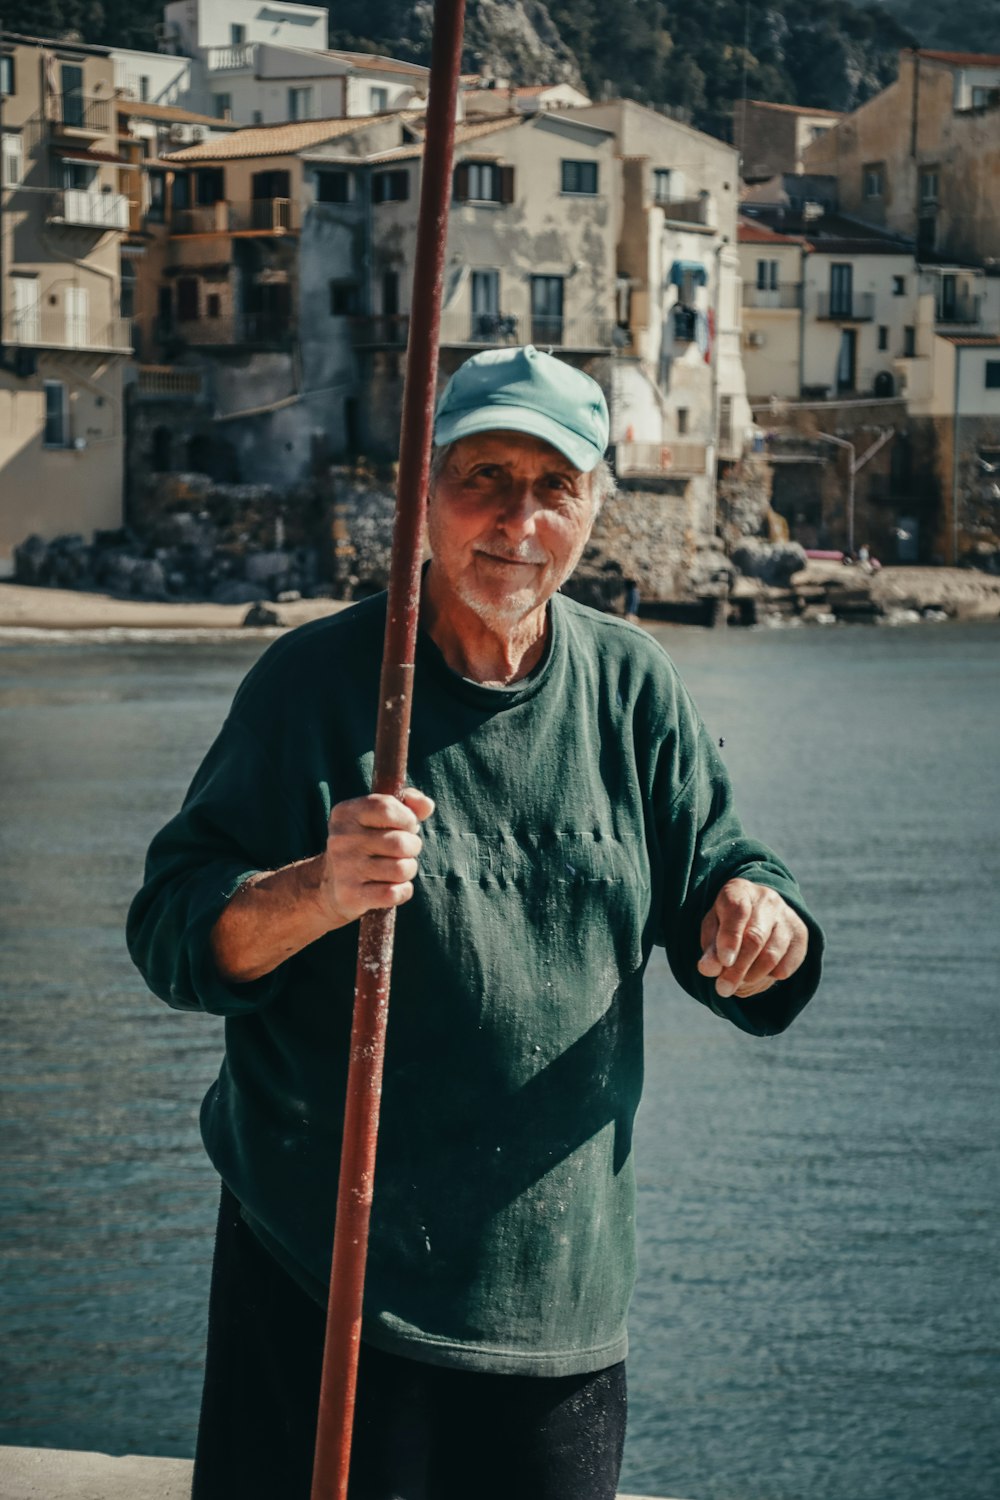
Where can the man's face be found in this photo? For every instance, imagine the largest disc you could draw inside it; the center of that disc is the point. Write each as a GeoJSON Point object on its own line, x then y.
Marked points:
{"type": "Point", "coordinates": [507, 521]}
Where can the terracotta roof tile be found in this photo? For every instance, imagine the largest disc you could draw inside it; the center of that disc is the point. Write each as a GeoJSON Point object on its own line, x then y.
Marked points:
{"type": "Point", "coordinates": [273, 140]}
{"type": "Point", "coordinates": [171, 113]}
{"type": "Point", "coordinates": [463, 134]}
{"type": "Point", "coordinates": [963, 59]}
{"type": "Point", "coordinates": [797, 109]}
{"type": "Point", "coordinates": [972, 340]}
{"type": "Point", "coordinates": [376, 63]}
{"type": "Point", "coordinates": [759, 234]}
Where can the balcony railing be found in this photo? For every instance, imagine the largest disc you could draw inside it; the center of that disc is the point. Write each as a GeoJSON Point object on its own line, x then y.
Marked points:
{"type": "Point", "coordinates": [78, 206]}
{"type": "Point", "coordinates": [82, 114]}
{"type": "Point", "coordinates": [959, 310]}
{"type": "Point", "coordinates": [229, 59]}
{"type": "Point", "coordinates": [51, 328]}
{"type": "Point", "coordinates": [167, 383]}
{"type": "Point", "coordinates": [258, 216]}
{"type": "Point", "coordinates": [788, 294]}
{"type": "Point", "coordinates": [846, 307]}
{"type": "Point", "coordinates": [668, 459]}
{"type": "Point", "coordinates": [685, 210]}
{"type": "Point", "coordinates": [488, 330]}
{"type": "Point", "coordinates": [267, 329]}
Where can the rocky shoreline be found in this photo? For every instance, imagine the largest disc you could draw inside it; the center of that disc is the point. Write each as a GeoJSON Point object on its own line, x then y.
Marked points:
{"type": "Point", "coordinates": [820, 594]}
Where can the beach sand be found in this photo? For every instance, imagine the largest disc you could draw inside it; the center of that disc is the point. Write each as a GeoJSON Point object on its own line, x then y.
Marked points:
{"type": "Point", "coordinates": [27, 608]}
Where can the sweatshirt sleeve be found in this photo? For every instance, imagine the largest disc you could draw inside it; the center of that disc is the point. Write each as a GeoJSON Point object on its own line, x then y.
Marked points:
{"type": "Point", "coordinates": [703, 845]}
{"type": "Point", "coordinates": [234, 822]}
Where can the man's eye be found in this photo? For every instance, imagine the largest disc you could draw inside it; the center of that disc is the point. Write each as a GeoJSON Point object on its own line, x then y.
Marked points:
{"type": "Point", "coordinates": [486, 471]}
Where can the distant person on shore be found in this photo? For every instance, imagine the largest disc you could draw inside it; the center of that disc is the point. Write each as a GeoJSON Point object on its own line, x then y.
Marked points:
{"type": "Point", "coordinates": [572, 812]}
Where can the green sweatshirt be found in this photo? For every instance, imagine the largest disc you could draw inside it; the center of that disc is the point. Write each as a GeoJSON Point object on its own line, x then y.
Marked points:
{"type": "Point", "coordinates": [582, 816]}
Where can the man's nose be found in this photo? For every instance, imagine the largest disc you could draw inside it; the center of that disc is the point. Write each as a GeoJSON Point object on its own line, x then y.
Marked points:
{"type": "Point", "coordinates": [517, 515]}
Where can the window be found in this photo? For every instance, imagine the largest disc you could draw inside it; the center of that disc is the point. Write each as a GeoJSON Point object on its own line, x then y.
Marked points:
{"type": "Point", "coordinates": [56, 415]}
{"type": "Point", "coordinates": [126, 295]}
{"type": "Point", "coordinates": [980, 96]}
{"type": "Point", "coordinates": [726, 423]}
{"type": "Point", "coordinates": [883, 336]}
{"type": "Point", "coordinates": [683, 415]}
{"type": "Point", "coordinates": [841, 289]}
{"type": "Point", "coordinates": [391, 187]}
{"type": "Point", "coordinates": [210, 186]}
{"type": "Point", "coordinates": [486, 322]}
{"type": "Point", "coordinates": [213, 305]}
{"type": "Point", "coordinates": [929, 185]}
{"type": "Point", "coordinates": [77, 176]}
{"type": "Point", "coordinates": [909, 342]}
{"type": "Point", "coordinates": [661, 184]}
{"type": "Point", "coordinates": [257, 117]}
{"type": "Point", "coordinates": [816, 132]}
{"type": "Point", "coordinates": [27, 323]}
{"type": "Point", "coordinates": [222, 106]}
{"type": "Point", "coordinates": [390, 293]}
{"type": "Point", "coordinates": [767, 275]}
{"type": "Point", "coordinates": [899, 286]}
{"type": "Point", "coordinates": [483, 182]}
{"type": "Point", "coordinates": [992, 375]}
{"type": "Point", "coordinates": [546, 309]}
{"type": "Point", "coordinates": [874, 179]}
{"type": "Point", "coordinates": [333, 187]}
{"type": "Point", "coordinates": [187, 299]}
{"type": "Point", "coordinates": [144, 87]}
{"type": "Point", "coordinates": [345, 299]}
{"type": "Point", "coordinates": [76, 307]}
{"type": "Point", "coordinates": [300, 104]}
{"type": "Point", "coordinates": [378, 100]}
{"type": "Point", "coordinates": [71, 80]}
{"type": "Point", "coordinates": [13, 161]}
{"type": "Point", "coordinates": [579, 177]}
{"type": "Point", "coordinates": [157, 197]}
{"type": "Point", "coordinates": [237, 34]}
{"type": "Point", "coordinates": [7, 73]}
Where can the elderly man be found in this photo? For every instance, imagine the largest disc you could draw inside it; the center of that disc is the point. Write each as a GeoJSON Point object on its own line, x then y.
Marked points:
{"type": "Point", "coordinates": [568, 811]}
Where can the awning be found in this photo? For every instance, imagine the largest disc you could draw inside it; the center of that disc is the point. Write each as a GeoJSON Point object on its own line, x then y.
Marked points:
{"type": "Point", "coordinates": [692, 268]}
{"type": "Point", "coordinates": [93, 158]}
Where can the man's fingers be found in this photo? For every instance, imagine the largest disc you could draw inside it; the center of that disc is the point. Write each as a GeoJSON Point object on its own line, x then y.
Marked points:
{"type": "Point", "coordinates": [734, 906]}
{"type": "Point", "coordinates": [795, 954]}
{"type": "Point", "coordinates": [756, 936]}
{"type": "Point", "coordinates": [418, 802]}
{"type": "Point", "coordinates": [770, 956]}
{"type": "Point", "coordinates": [709, 964]}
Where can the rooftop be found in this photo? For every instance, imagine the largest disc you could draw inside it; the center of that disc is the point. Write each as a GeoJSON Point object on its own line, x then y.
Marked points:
{"type": "Point", "coordinates": [171, 114]}
{"type": "Point", "coordinates": [376, 63]}
{"type": "Point", "coordinates": [277, 140]}
{"type": "Point", "coordinates": [797, 109]}
{"type": "Point", "coordinates": [463, 133]}
{"type": "Point", "coordinates": [752, 233]}
{"type": "Point", "coordinates": [973, 340]}
{"type": "Point", "coordinates": [962, 59]}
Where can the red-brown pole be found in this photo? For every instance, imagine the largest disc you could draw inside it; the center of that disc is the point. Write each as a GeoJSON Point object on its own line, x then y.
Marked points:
{"type": "Point", "coordinates": [371, 991]}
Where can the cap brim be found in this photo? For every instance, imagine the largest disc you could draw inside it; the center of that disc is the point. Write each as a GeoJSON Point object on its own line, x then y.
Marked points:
{"type": "Point", "coordinates": [583, 455]}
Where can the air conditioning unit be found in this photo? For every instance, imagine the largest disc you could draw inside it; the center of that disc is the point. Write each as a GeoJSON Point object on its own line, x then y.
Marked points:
{"type": "Point", "coordinates": [176, 133]}
{"type": "Point", "coordinates": [755, 339]}
{"type": "Point", "coordinates": [197, 134]}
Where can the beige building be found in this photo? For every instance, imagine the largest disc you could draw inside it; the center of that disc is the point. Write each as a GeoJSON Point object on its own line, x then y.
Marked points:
{"type": "Point", "coordinates": [922, 158]}
{"type": "Point", "coordinates": [773, 138]}
{"type": "Point", "coordinates": [64, 339]}
{"type": "Point", "coordinates": [679, 402]}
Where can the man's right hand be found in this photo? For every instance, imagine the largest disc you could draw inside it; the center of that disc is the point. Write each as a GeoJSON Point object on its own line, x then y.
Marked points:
{"type": "Point", "coordinates": [370, 859]}
{"type": "Point", "coordinates": [372, 848]}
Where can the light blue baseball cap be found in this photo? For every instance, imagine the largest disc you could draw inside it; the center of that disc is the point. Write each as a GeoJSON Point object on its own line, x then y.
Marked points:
{"type": "Point", "coordinates": [524, 390]}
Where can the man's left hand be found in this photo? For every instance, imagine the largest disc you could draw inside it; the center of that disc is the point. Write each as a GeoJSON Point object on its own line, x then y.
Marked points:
{"type": "Point", "coordinates": [750, 939]}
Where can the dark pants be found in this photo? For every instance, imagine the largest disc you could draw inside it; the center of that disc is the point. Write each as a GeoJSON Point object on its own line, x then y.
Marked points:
{"type": "Point", "coordinates": [420, 1432]}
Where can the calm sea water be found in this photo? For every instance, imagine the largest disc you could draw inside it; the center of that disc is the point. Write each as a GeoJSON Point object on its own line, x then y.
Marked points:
{"type": "Point", "coordinates": [817, 1312]}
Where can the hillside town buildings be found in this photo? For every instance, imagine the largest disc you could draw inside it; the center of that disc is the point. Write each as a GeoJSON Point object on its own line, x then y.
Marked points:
{"type": "Point", "coordinates": [206, 263]}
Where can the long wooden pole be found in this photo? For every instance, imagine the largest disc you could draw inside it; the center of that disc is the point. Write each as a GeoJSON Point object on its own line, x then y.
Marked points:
{"type": "Point", "coordinates": [371, 993]}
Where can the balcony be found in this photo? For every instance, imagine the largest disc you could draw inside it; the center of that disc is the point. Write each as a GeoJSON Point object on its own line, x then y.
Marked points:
{"type": "Point", "coordinates": [685, 210]}
{"type": "Point", "coordinates": [669, 460]}
{"type": "Point", "coordinates": [168, 383]}
{"type": "Point", "coordinates": [685, 320]}
{"type": "Point", "coordinates": [55, 328]}
{"type": "Point", "coordinates": [465, 330]}
{"type": "Point", "coordinates": [846, 307]}
{"type": "Point", "coordinates": [961, 310]}
{"type": "Point", "coordinates": [79, 115]}
{"type": "Point", "coordinates": [78, 207]}
{"type": "Point", "coordinates": [232, 59]}
{"type": "Point", "coordinates": [264, 330]}
{"type": "Point", "coordinates": [258, 216]}
{"type": "Point", "coordinates": [787, 295]}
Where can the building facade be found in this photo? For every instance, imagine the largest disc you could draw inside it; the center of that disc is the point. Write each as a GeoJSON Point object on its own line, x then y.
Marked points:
{"type": "Point", "coordinates": [65, 342]}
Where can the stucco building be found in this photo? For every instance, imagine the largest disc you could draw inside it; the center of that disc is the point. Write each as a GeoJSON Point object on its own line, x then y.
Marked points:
{"type": "Point", "coordinates": [774, 138]}
{"type": "Point", "coordinates": [63, 215]}
{"type": "Point", "coordinates": [922, 158]}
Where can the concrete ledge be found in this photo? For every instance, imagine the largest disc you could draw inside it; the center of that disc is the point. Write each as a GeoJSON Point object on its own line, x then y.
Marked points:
{"type": "Point", "coordinates": [55, 1474]}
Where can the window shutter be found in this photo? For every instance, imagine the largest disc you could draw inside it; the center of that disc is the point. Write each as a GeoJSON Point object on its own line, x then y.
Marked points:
{"type": "Point", "coordinates": [506, 184]}
{"type": "Point", "coordinates": [462, 182]}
